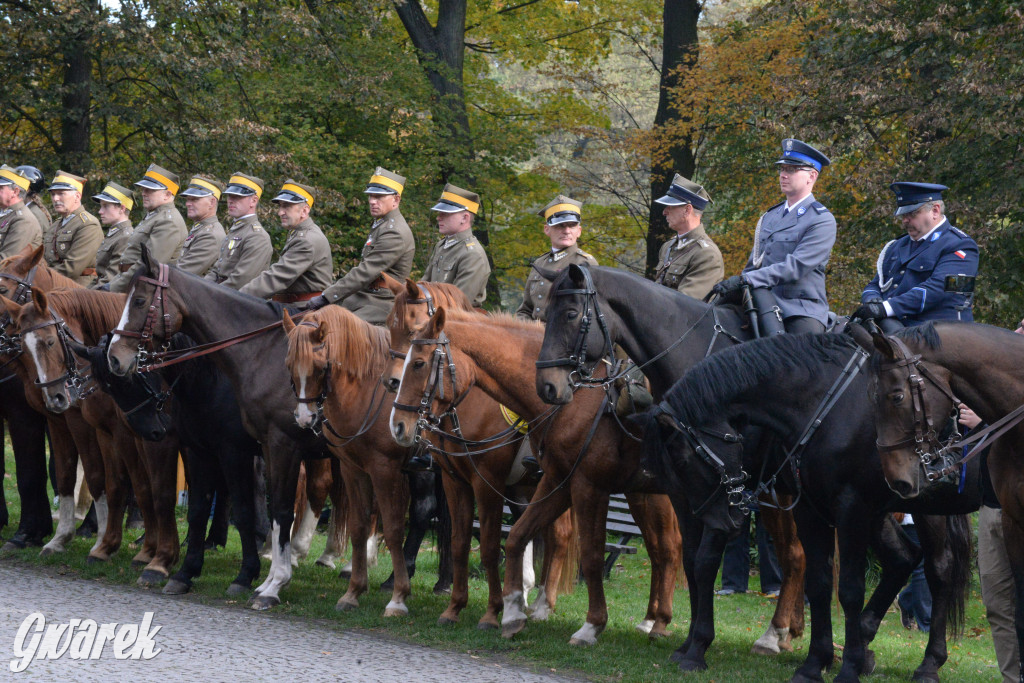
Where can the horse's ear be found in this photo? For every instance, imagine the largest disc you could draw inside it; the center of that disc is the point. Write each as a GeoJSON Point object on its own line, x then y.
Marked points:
{"type": "Point", "coordinates": [436, 323]}
{"type": "Point", "coordinates": [39, 299]}
{"type": "Point", "coordinates": [147, 260]}
{"type": "Point", "coordinates": [12, 308]}
{"type": "Point", "coordinates": [884, 345]}
{"type": "Point", "coordinates": [80, 350]}
{"type": "Point", "coordinates": [577, 276]}
{"type": "Point", "coordinates": [665, 420]}
{"type": "Point", "coordinates": [321, 333]}
{"type": "Point", "coordinates": [860, 335]}
{"type": "Point", "coordinates": [391, 283]}
{"type": "Point", "coordinates": [34, 255]}
{"type": "Point", "coordinates": [412, 291]}
{"type": "Point", "coordinates": [287, 323]}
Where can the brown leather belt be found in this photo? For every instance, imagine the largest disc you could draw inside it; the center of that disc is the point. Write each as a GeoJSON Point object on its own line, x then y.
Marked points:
{"type": "Point", "coordinates": [89, 271]}
{"type": "Point", "coordinates": [294, 298]}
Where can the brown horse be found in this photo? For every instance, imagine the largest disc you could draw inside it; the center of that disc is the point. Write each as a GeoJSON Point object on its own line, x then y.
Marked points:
{"type": "Point", "coordinates": [318, 481]}
{"type": "Point", "coordinates": [586, 454]}
{"type": "Point", "coordinates": [485, 477]}
{"type": "Point", "coordinates": [920, 376]}
{"type": "Point", "coordinates": [85, 315]}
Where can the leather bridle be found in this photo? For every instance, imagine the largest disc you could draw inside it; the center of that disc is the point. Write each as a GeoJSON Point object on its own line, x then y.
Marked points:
{"type": "Point", "coordinates": [11, 344]}
{"type": "Point", "coordinates": [157, 311]}
{"type": "Point", "coordinates": [74, 380]}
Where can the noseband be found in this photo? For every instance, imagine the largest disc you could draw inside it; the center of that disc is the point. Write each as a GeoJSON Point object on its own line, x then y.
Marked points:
{"type": "Point", "coordinates": [71, 377]}
{"type": "Point", "coordinates": [440, 360]}
{"type": "Point", "coordinates": [325, 387]}
{"type": "Point", "coordinates": [157, 310]}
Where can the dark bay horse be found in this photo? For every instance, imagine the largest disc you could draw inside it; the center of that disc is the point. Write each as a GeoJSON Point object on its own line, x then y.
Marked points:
{"type": "Point", "coordinates": [48, 325]}
{"type": "Point", "coordinates": [918, 376]}
{"type": "Point", "coordinates": [489, 478]}
{"type": "Point", "coordinates": [666, 332]}
{"type": "Point", "coordinates": [586, 455]}
{"type": "Point", "coordinates": [780, 384]}
{"type": "Point", "coordinates": [208, 312]}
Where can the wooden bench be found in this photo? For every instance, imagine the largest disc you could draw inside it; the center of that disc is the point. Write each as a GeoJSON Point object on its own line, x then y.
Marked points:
{"type": "Point", "coordinates": [620, 524]}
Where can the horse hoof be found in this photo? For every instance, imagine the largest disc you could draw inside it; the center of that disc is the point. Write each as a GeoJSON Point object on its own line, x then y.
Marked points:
{"type": "Point", "coordinates": [345, 573]}
{"type": "Point", "coordinates": [446, 621]}
{"type": "Point", "coordinates": [396, 609]}
{"type": "Point", "coordinates": [10, 546]}
{"type": "Point", "coordinates": [237, 590]}
{"type": "Point", "coordinates": [761, 649]}
{"type": "Point", "coordinates": [344, 605]}
{"type": "Point", "coordinates": [658, 634]}
{"type": "Point", "coordinates": [869, 663]}
{"type": "Point", "coordinates": [442, 590]}
{"type": "Point", "coordinates": [150, 578]}
{"type": "Point", "coordinates": [175, 587]}
{"type": "Point", "coordinates": [804, 678]}
{"type": "Point", "coordinates": [322, 562]}
{"type": "Point", "coordinates": [691, 665]}
{"type": "Point", "coordinates": [486, 626]}
{"type": "Point", "coordinates": [580, 642]}
{"type": "Point", "coordinates": [138, 564]}
{"type": "Point", "coordinates": [929, 676]}
{"type": "Point", "coordinates": [262, 603]}
{"type": "Point", "coordinates": [510, 629]}
{"type": "Point", "coordinates": [47, 551]}
{"type": "Point", "coordinates": [95, 559]}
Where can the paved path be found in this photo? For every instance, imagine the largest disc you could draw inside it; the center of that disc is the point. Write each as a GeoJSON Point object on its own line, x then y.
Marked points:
{"type": "Point", "coordinates": [205, 643]}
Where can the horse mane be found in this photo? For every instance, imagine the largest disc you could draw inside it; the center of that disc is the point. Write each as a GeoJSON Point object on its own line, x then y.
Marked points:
{"type": "Point", "coordinates": [96, 312]}
{"type": "Point", "coordinates": [359, 348]}
{"type": "Point", "coordinates": [447, 295]}
{"type": "Point", "coordinates": [703, 393]}
{"type": "Point", "coordinates": [46, 278]}
{"type": "Point", "coordinates": [921, 335]}
{"type": "Point", "coordinates": [508, 321]}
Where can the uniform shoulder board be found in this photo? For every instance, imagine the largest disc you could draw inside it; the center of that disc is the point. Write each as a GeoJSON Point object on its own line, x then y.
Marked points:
{"type": "Point", "coordinates": [256, 227]}
{"type": "Point", "coordinates": [703, 243]}
{"type": "Point", "coordinates": [819, 207]}
{"type": "Point", "coordinates": [958, 232]}
{"type": "Point", "coordinates": [18, 212]}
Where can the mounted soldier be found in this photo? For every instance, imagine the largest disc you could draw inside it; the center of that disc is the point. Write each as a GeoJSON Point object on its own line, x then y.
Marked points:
{"type": "Point", "coordinates": [690, 262]}
{"type": "Point", "coordinates": [458, 258]}
{"type": "Point", "coordinates": [115, 202]}
{"type": "Point", "coordinates": [202, 245]}
{"type": "Point", "coordinates": [246, 251]}
{"type": "Point", "coordinates": [792, 244]}
{"type": "Point", "coordinates": [71, 241]}
{"type": "Point", "coordinates": [18, 226]}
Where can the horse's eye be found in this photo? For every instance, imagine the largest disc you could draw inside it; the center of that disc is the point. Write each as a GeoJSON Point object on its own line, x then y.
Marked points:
{"type": "Point", "coordinates": [50, 342]}
{"type": "Point", "coordinates": [896, 397]}
{"type": "Point", "coordinates": [571, 315]}
{"type": "Point", "coordinates": [417, 364]}
{"type": "Point", "coordinates": [138, 302]}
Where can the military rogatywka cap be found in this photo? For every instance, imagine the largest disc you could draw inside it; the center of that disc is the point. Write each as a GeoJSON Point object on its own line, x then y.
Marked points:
{"type": "Point", "coordinates": [295, 193]}
{"type": "Point", "coordinates": [67, 181]}
{"type": "Point", "coordinates": [10, 176]}
{"type": "Point", "coordinates": [202, 186]}
{"type": "Point", "coordinates": [242, 185]}
{"type": "Point", "coordinates": [116, 194]}
{"type": "Point", "coordinates": [384, 181]}
{"type": "Point", "coordinates": [157, 178]}
{"type": "Point", "coordinates": [684, 191]}
{"type": "Point", "coordinates": [796, 153]}
{"type": "Point", "coordinates": [562, 209]}
{"type": "Point", "coordinates": [454, 199]}
{"type": "Point", "coordinates": [912, 196]}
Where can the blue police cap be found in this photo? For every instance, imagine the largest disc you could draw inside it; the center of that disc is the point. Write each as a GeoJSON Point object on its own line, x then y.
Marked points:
{"type": "Point", "coordinates": [683, 191]}
{"type": "Point", "coordinates": [912, 196]}
{"type": "Point", "coordinates": [796, 153]}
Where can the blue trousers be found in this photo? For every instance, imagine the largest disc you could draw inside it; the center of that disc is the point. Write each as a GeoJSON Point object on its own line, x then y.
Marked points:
{"type": "Point", "coordinates": [916, 598]}
{"type": "Point", "coordinates": [736, 562]}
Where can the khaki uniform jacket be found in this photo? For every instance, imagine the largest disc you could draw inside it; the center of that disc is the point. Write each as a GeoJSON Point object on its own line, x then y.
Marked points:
{"type": "Point", "coordinates": [163, 231]}
{"type": "Point", "coordinates": [40, 212]}
{"type": "Point", "coordinates": [244, 254]}
{"type": "Point", "coordinates": [535, 299]}
{"type": "Point", "coordinates": [460, 260]}
{"type": "Point", "coordinates": [69, 245]}
{"type": "Point", "coordinates": [202, 246]}
{"type": "Point", "coordinates": [389, 249]}
{"type": "Point", "coordinates": [18, 228]}
{"type": "Point", "coordinates": [690, 263]}
{"type": "Point", "coordinates": [305, 265]}
{"type": "Point", "coordinates": [108, 256]}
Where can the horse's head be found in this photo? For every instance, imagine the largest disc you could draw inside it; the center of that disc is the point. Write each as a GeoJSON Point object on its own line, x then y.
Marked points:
{"type": "Point", "coordinates": [704, 463]}
{"type": "Point", "coordinates": [575, 338]}
{"type": "Point", "coordinates": [152, 314]}
{"type": "Point", "coordinates": [426, 388]}
{"type": "Point", "coordinates": [16, 273]}
{"type": "Point", "coordinates": [309, 366]}
{"type": "Point", "coordinates": [913, 405]}
{"type": "Point", "coordinates": [141, 397]}
{"type": "Point", "coordinates": [46, 338]}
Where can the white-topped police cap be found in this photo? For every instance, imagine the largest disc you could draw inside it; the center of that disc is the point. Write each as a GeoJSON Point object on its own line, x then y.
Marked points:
{"type": "Point", "coordinates": [912, 196]}
{"type": "Point", "coordinates": [562, 209]}
{"type": "Point", "coordinates": [797, 153]}
{"type": "Point", "coordinates": [384, 181]}
{"type": "Point", "coordinates": [454, 199]}
{"type": "Point", "coordinates": [684, 191]}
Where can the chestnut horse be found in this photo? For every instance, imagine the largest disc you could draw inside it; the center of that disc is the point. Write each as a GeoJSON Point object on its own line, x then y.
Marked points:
{"type": "Point", "coordinates": [48, 325]}
{"type": "Point", "coordinates": [919, 377]}
{"type": "Point", "coordinates": [485, 477]}
{"type": "Point", "coordinates": [587, 455]}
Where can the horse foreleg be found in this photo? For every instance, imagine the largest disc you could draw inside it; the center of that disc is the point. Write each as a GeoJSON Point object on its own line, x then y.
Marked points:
{"type": "Point", "coordinates": [489, 503]}
{"type": "Point", "coordinates": [360, 510]}
{"type": "Point", "coordinates": [160, 461]}
{"type": "Point", "coordinates": [459, 496]}
{"type": "Point", "coordinates": [591, 507]}
{"type": "Point", "coordinates": [788, 621]}
{"type": "Point", "coordinates": [559, 571]}
{"type": "Point", "coordinates": [853, 533]}
{"type": "Point", "coordinates": [282, 457]}
{"type": "Point", "coordinates": [203, 478]}
{"type": "Point", "coordinates": [1013, 538]}
{"type": "Point", "coordinates": [310, 495]}
{"type": "Point", "coordinates": [657, 522]}
{"type": "Point", "coordinates": [551, 501]}
{"type": "Point", "coordinates": [392, 488]}
{"type": "Point", "coordinates": [818, 540]}
{"type": "Point", "coordinates": [337, 526]}
{"type": "Point", "coordinates": [237, 472]}
{"type": "Point", "coordinates": [940, 569]}
{"type": "Point", "coordinates": [28, 439]}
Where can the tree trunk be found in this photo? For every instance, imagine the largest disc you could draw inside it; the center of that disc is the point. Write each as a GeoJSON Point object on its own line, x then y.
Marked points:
{"type": "Point", "coordinates": [75, 102]}
{"type": "Point", "coordinates": [680, 50]}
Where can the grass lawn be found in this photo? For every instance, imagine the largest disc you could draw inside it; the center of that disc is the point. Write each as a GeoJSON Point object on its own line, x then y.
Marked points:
{"type": "Point", "coordinates": [622, 653]}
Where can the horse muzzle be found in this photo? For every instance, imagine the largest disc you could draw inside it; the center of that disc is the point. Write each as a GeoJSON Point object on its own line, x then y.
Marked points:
{"type": "Point", "coordinates": [553, 386]}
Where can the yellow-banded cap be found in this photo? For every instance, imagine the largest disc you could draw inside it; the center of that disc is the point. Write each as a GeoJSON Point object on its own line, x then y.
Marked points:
{"type": "Point", "coordinates": [157, 178]}
{"type": "Point", "coordinates": [384, 181]}
{"type": "Point", "coordinates": [561, 209]}
{"type": "Point", "coordinates": [242, 185]}
{"type": "Point", "coordinates": [295, 193]}
{"type": "Point", "coordinates": [455, 199]}
{"type": "Point", "coordinates": [10, 176]}
{"type": "Point", "coordinates": [116, 194]}
{"type": "Point", "coordinates": [67, 181]}
{"type": "Point", "coordinates": [202, 186]}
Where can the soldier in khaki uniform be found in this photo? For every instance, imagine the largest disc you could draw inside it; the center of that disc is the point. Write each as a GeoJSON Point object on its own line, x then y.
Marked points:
{"type": "Point", "coordinates": [163, 229]}
{"type": "Point", "coordinates": [389, 249]}
{"type": "Point", "coordinates": [202, 245]}
{"type": "Point", "coordinates": [71, 241]}
{"type": "Point", "coordinates": [458, 258]}
{"type": "Point", "coordinates": [305, 267]}
{"type": "Point", "coordinates": [116, 204]}
{"type": "Point", "coordinates": [246, 251]}
{"type": "Point", "coordinates": [33, 200]}
{"type": "Point", "coordinates": [562, 226]}
{"type": "Point", "coordinates": [18, 226]}
{"type": "Point", "coordinates": [690, 261]}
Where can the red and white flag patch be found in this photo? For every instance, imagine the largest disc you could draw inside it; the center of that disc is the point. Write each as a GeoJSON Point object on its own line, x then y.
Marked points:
{"type": "Point", "coordinates": [961, 254]}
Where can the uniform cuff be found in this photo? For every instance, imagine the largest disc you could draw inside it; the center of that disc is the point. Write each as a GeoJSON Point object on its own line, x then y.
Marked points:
{"type": "Point", "coordinates": [888, 309]}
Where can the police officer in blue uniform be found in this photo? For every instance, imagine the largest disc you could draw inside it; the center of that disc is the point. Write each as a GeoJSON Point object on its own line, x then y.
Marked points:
{"type": "Point", "coordinates": [792, 244]}
{"type": "Point", "coordinates": [928, 274]}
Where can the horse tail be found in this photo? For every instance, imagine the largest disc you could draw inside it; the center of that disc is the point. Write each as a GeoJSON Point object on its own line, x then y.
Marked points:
{"type": "Point", "coordinates": [958, 540]}
{"type": "Point", "coordinates": [571, 566]}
